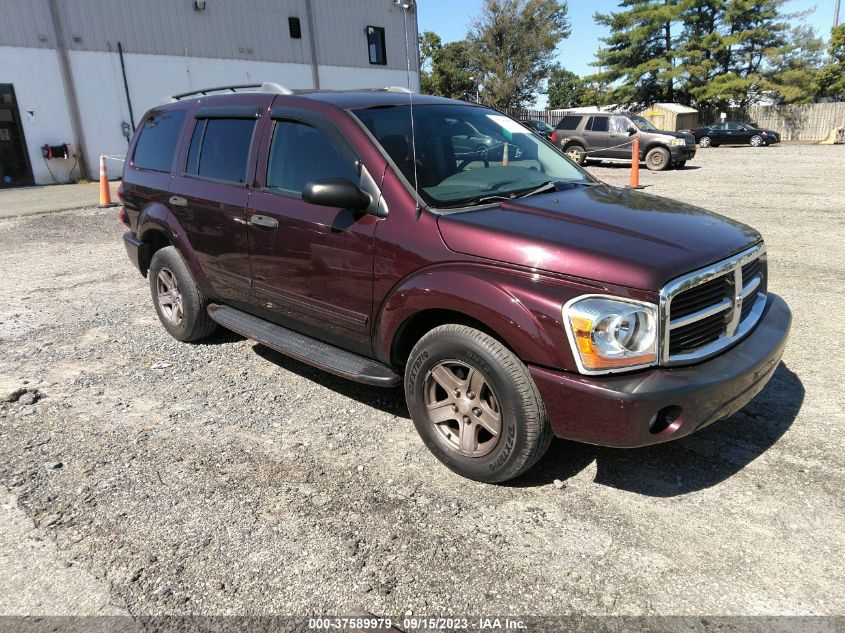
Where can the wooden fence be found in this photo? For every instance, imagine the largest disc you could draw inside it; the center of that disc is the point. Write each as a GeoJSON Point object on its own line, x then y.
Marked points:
{"type": "Point", "coordinates": [801, 122]}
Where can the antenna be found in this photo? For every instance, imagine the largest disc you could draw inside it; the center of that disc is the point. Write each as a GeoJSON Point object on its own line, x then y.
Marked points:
{"type": "Point", "coordinates": [407, 5]}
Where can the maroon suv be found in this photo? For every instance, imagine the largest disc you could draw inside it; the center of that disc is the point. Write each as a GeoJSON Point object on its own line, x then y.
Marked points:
{"type": "Point", "coordinates": [515, 295]}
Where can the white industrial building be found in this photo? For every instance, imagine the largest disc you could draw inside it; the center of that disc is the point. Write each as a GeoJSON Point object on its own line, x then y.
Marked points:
{"type": "Point", "coordinates": [82, 72]}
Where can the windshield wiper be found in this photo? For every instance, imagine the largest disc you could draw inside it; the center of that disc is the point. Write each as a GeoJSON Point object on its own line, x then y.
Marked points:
{"type": "Point", "coordinates": [546, 187]}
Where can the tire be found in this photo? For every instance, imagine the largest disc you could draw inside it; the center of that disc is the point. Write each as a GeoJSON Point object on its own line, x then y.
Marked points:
{"type": "Point", "coordinates": [757, 141]}
{"type": "Point", "coordinates": [506, 399]}
{"type": "Point", "coordinates": [657, 159]}
{"type": "Point", "coordinates": [679, 165]}
{"type": "Point", "coordinates": [576, 154]}
{"type": "Point", "coordinates": [177, 300]}
{"type": "Point", "coordinates": [704, 141]}
{"type": "Point", "coordinates": [482, 153]}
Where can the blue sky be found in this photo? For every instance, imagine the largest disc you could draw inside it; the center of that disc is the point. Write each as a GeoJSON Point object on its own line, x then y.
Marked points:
{"type": "Point", "coordinates": [451, 19]}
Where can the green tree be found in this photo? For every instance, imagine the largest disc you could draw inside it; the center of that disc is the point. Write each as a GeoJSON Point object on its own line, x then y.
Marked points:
{"type": "Point", "coordinates": [830, 80]}
{"type": "Point", "coordinates": [447, 70]}
{"type": "Point", "coordinates": [639, 54]}
{"type": "Point", "coordinates": [564, 89]}
{"type": "Point", "coordinates": [794, 72]}
{"type": "Point", "coordinates": [513, 44]}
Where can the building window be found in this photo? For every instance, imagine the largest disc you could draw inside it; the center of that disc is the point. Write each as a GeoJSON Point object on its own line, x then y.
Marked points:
{"type": "Point", "coordinates": [375, 45]}
{"type": "Point", "coordinates": [295, 28]}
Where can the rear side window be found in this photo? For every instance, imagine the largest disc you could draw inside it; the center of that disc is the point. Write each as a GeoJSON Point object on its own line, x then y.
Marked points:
{"type": "Point", "coordinates": [157, 141]}
{"type": "Point", "coordinates": [220, 149]}
{"type": "Point", "coordinates": [301, 153]}
{"type": "Point", "coordinates": [569, 122]}
{"type": "Point", "coordinates": [597, 124]}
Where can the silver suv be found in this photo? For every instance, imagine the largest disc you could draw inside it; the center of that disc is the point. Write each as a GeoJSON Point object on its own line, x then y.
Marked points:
{"type": "Point", "coordinates": [602, 135]}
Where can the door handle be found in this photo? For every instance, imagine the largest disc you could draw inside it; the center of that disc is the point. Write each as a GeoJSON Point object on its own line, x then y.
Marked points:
{"type": "Point", "coordinates": [178, 201]}
{"type": "Point", "coordinates": [263, 221]}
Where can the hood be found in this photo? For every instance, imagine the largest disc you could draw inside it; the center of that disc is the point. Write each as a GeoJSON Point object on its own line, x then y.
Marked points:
{"type": "Point", "coordinates": [679, 134]}
{"type": "Point", "coordinates": [597, 232]}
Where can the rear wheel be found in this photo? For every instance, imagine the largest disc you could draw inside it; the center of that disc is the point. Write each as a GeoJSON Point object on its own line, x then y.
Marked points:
{"type": "Point", "coordinates": [475, 405]}
{"type": "Point", "coordinates": [576, 154]}
{"type": "Point", "coordinates": [657, 159]}
{"type": "Point", "coordinates": [178, 302]}
{"type": "Point", "coordinates": [704, 141]}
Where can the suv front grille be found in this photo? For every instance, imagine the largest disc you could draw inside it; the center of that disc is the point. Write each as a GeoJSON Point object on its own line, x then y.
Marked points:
{"type": "Point", "coordinates": [710, 309]}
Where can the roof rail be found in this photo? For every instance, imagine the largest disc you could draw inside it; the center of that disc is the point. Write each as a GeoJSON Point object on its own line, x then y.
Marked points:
{"type": "Point", "coordinates": [267, 86]}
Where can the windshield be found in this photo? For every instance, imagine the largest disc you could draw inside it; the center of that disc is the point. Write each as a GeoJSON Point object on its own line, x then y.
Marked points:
{"type": "Point", "coordinates": [542, 126]}
{"type": "Point", "coordinates": [467, 155]}
{"type": "Point", "coordinates": [641, 123]}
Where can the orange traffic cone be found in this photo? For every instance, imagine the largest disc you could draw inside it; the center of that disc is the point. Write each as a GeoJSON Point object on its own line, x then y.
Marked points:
{"type": "Point", "coordinates": [635, 165]}
{"type": "Point", "coordinates": [505, 158]}
{"type": "Point", "coordinates": [105, 192]}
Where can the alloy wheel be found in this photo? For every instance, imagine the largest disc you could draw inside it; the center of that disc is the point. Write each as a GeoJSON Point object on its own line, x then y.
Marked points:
{"type": "Point", "coordinates": [463, 408]}
{"type": "Point", "coordinates": [756, 140]}
{"type": "Point", "coordinates": [704, 142]}
{"type": "Point", "coordinates": [169, 296]}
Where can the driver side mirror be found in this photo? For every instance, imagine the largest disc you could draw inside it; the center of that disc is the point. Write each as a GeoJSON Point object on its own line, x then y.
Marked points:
{"type": "Point", "coordinates": [632, 130]}
{"type": "Point", "coordinates": [336, 192]}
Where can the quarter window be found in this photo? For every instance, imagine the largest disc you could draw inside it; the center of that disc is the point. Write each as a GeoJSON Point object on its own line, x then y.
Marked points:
{"type": "Point", "coordinates": [376, 45]}
{"type": "Point", "coordinates": [569, 122]}
{"type": "Point", "coordinates": [220, 149]}
{"type": "Point", "coordinates": [301, 153]}
{"type": "Point", "coordinates": [157, 141]}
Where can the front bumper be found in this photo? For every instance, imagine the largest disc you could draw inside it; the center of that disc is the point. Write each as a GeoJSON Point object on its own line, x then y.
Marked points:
{"type": "Point", "coordinates": [681, 152]}
{"type": "Point", "coordinates": [618, 410]}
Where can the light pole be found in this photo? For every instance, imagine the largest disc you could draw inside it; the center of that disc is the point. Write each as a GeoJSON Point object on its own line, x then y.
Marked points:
{"type": "Point", "coordinates": [475, 81]}
{"type": "Point", "coordinates": [836, 14]}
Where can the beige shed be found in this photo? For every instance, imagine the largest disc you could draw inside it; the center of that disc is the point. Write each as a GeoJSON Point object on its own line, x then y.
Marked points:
{"type": "Point", "coordinates": [671, 116]}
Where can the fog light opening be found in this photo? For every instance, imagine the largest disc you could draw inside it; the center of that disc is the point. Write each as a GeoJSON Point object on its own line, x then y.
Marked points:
{"type": "Point", "coordinates": [667, 421]}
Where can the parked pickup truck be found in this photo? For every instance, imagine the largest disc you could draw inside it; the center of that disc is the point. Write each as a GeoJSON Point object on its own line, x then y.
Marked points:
{"type": "Point", "coordinates": [514, 295]}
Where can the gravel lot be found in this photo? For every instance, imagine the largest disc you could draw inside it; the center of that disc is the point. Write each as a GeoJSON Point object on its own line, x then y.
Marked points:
{"type": "Point", "coordinates": [233, 480]}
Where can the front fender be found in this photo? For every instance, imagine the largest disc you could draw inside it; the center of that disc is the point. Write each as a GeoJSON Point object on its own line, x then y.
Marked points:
{"type": "Point", "coordinates": [156, 217]}
{"type": "Point", "coordinates": [522, 308]}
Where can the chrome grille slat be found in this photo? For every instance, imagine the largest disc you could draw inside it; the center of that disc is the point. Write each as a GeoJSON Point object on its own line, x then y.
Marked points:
{"type": "Point", "coordinates": [708, 310]}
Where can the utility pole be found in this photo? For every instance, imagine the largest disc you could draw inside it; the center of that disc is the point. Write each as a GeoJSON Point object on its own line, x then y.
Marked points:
{"type": "Point", "coordinates": [836, 14]}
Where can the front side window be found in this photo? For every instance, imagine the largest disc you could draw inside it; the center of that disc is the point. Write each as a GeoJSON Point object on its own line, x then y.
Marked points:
{"type": "Point", "coordinates": [619, 124]}
{"type": "Point", "coordinates": [376, 45]}
{"type": "Point", "coordinates": [466, 154]}
{"type": "Point", "coordinates": [157, 141]}
{"type": "Point", "coordinates": [220, 149]}
{"type": "Point", "coordinates": [300, 154]}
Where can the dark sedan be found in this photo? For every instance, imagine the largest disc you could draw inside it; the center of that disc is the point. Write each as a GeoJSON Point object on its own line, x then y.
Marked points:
{"type": "Point", "coordinates": [734, 133]}
{"type": "Point", "coordinates": [539, 127]}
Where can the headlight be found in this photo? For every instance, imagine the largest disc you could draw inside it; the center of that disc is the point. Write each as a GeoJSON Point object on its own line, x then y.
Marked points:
{"type": "Point", "coordinates": [609, 334]}
{"type": "Point", "coordinates": [678, 141]}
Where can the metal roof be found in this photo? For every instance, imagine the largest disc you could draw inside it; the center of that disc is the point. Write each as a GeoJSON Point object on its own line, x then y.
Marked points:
{"type": "Point", "coordinates": [675, 107]}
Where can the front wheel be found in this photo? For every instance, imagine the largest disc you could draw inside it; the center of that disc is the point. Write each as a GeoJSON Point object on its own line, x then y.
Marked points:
{"type": "Point", "coordinates": [657, 159]}
{"type": "Point", "coordinates": [475, 405]}
{"type": "Point", "coordinates": [704, 141]}
{"type": "Point", "coordinates": [756, 140]}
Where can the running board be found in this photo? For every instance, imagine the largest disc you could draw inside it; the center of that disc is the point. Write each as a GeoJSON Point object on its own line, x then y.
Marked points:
{"type": "Point", "coordinates": [304, 348]}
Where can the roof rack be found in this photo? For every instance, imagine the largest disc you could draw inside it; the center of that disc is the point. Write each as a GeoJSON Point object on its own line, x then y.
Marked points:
{"type": "Point", "coordinates": [267, 86]}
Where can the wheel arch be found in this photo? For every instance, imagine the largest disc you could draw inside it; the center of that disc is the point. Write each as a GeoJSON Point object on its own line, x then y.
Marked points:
{"type": "Point", "coordinates": [474, 295]}
{"type": "Point", "coordinates": [158, 228]}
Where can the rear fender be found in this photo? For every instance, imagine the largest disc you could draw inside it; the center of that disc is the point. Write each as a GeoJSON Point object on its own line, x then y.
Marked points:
{"type": "Point", "coordinates": [157, 217]}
